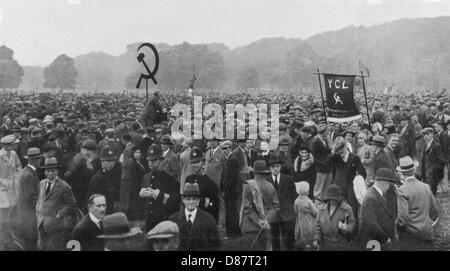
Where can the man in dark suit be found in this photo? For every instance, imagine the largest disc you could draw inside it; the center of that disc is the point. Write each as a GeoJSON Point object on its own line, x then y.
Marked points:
{"type": "Point", "coordinates": [26, 202]}
{"type": "Point", "coordinates": [431, 160]}
{"type": "Point", "coordinates": [282, 223]}
{"type": "Point", "coordinates": [170, 162]}
{"type": "Point", "coordinates": [125, 179]}
{"type": "Point", "coordinates": [152, 111]}
{"type": "Point", "coordinates": [376, 218]}
{"type": "Point", "coordinates": [55, 203]}
{"type": "Point", "coordinates": [198, 229]}
{"type": "Point", "coordinates": [444, 139]}
{"type": "Point", "coordinates": [321, 150]}
{"type": "Point", "coordinates": [87, 230]}
{"type": "Point", "coordinates": [236, 172]}
{"type": "Point", "coordinates": [407, 137]}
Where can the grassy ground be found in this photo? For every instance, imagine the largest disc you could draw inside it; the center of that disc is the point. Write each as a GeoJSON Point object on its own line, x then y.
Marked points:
{"type": "Point", "coordinates": [442, 229]}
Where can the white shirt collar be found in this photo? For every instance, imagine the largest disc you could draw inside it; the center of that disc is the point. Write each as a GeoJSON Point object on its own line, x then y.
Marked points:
{"type": "Point", "coordinates": [278, 177]}
{"type": "Point", "coordinates": [378, 190]}
{"type": "Point", "coordinates": [95, 220]}
{"type": "Point", "coordinates": [165, 152]}
{"type": "Point", "coordinates": [32, 167]}
{"type": "Point", "coordinates": [193, 214]}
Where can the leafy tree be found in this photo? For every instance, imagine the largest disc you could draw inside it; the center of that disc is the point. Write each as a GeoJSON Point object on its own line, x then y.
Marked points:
{"type": "Point", "coordinates": [60, 73]}
{"type": "Point", "coordinates": [10, 71]}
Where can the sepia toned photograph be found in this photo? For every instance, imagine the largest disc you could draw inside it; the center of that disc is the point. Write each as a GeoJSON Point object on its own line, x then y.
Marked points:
{"type": "Point", "coordinates": [224, 125]}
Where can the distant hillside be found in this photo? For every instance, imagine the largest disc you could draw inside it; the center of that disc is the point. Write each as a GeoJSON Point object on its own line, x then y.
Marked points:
{"type": "Point", "coordinates": [407, 53]}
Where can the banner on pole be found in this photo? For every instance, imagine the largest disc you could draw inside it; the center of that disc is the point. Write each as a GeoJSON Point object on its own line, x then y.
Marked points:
{"type": "Point", "coordinates": [340, 99]}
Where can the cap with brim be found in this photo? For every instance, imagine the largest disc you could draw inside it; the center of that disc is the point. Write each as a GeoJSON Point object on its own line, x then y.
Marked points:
{"type": "Point", "coordinates": [385, 174]}
{"type": "Point", "coordinates": [33, 153]}
{"type": "Point", "coordinates": [427, 130]}
{"type": "Point", "coordinates": [191, 190]}
{"type": "Point", "coordinates": [378, 141]}
{"type": "Point", "coordinates": [274, 159]}
{"type": "Point", "coordinates": [163, 230]}
{"type": "Point", "coordinates": [333, 193]}
{"type": "Point", "coordinates": [51, 163]}
{"type": "Point", "coordinates": [260, 167]}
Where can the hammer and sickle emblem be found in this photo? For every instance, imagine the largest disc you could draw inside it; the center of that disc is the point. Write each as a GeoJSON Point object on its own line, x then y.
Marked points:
{"type": "Point", "coordinates": [337, 99]}
{"type": "Point", "coordinates": [140, 58]}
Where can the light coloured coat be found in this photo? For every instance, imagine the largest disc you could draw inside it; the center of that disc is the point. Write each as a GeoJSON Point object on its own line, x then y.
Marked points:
{"type": "Point", "coordinates": [10, 168]}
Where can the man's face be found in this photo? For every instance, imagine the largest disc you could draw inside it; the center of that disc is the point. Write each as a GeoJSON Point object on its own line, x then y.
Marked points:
{"type": "Point", "coordinates": [284, 148]}
{"type": "Point", "coordinates": [428, 137]}
{"type": "Point", "coordinates": [197, 167]}
{"type": "Point", "coordinates": [362, 139]}
{"type": "Point", "coordinates": [137, 155]}
{"type": "Point", "coordinates": [305, 136]}
{"type": "Point", "coordinates": [165, 147]}
{"type": "Point", "coordinates": [191, 203]}
{"type": "Point", "coordinates": [164, 244]}
{"type": "Point", "coordinates": [226, 150]}
{"type": "Point", "coordinates": [108, 165]}
{"type": "Point", "coordinates": [348, 137]}
{"type": "Point", "coordinates": [214, 143]}
{"type": "Point", "coordinates": [393, 141]}
{"type": "Point", "coordinates": [437, 128]}
{"type": "Point", "coordinates": [98, 207]}
{"type": "Point", "coordinates": [51, 173]}
{"type": "Point", "coordinates": [275, 169]}
{"type": "Point", "coordinates": [153, 164]}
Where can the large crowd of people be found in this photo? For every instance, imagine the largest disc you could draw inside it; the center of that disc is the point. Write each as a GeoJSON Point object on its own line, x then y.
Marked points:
{"type": "Point", "coordinates": [106, 171]}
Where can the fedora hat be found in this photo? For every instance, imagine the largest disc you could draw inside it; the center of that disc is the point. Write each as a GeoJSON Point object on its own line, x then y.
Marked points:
{"type": "Point", "coordinates": [191, 190]}
{"type": "Point", "coordinates": [379, 141]}
{"type": "Point", "coordinates": [274, 159]}
{"type": "Point", "coordinates": [116, 226]}
{"type": "Point", "coordinates": [33, 153]}
{"type": "Point", "coordinates": [333, 193]}
{"type": "Point", "coordinates": [260, 167]}
{"type": "Point", "coordinates": [51, 163]}
{"type": "Point", "coordinates": [406, 164]}
{"type": "Point", "coordinates": [385, 174]}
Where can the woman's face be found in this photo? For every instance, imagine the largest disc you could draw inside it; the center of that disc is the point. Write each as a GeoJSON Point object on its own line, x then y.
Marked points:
{"type": "Point", "coordinates": [304, 155]}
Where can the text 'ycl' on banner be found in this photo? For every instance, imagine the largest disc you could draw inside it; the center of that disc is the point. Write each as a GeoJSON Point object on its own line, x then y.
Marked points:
{"type": "Point", "coordinates": [340, 99]}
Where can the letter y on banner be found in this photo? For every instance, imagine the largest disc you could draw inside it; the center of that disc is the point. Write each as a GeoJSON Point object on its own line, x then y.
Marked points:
{"type": "Point", "coordinates": [340, 99]}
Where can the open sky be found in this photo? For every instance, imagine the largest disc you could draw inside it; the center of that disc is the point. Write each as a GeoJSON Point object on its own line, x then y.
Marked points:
{"type": "Point", "coordinates": [40, 30]}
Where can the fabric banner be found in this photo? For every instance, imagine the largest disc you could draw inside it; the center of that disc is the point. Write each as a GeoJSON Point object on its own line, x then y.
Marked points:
{"type": "Point", "coordinates": [340, 99]}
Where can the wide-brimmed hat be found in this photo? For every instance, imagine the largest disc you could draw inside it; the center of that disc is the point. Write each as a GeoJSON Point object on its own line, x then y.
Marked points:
{"type": "Point", "coordinates": [333, 193]}
{"type": "Point", "coordinates": [378, 141]}
{"type": "Point", "coordinates": [33, 153]}
{"type": "Point", "coordinates": [407, 164]}
{"type": "Point", "coordinates": [191, 190]}
{"type": "Point", "coordinates": [163, 230]}
{"type": "Point", "coordinates": [51, 163]}
{"type": "Point", "coordinates": [260, 167]}
{"type": "Point", "coordinates": [274, 159]}
{"type": "Point", "coordinates": [9, 139]}
{"type": "Point", "coordinates": [107, 154]}
{"type": "Point", "coordinates": [154, 152]}
{"type": "Point", "coordinates": [195, 155]}
{"type": "Point", "coordinates": [116, 226]}
{"type": "Point", "coordinates": [385, 174]}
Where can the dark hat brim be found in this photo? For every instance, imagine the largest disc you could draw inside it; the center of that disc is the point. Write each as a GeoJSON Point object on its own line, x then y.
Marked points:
{"type": "Point", "coordinates": [132, 232]}
{"type": "Point", "coordinates": [51, 167]}
{"type": "Point", "coordinates": [33, 156]}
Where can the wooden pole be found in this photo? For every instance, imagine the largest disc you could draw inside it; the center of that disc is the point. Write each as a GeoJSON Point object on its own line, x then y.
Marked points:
{"type": "Point", "coordinates": [321, 93]}
{"type": "Point", "coordinates": [365, 97]}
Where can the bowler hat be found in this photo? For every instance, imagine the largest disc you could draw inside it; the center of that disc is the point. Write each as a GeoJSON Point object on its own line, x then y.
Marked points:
{"type": "Point", "coordinates": [51, 163]}
{"type": "Point", "coordinates": [107, 154]}
{"type": "Point", "coordinates": [33, 153]}
{"type": "Point", "coordinates": [196, 155]}
{"type": "Point", "coordinates": [260, 167]}
{"type": "Point", "coordinates": [406, 164]}
{"type": "Point", "coordinates": [154, 152]}
{"type": "Point", "coordinates": [164, 229]}
{"type": "Point", "coordinates": [116, 226]}
{"type": "Point", "coordinates": [191, 190]}
{"type": "Point", "coordinates": [385, 174]}
{"type": "Point", "coordinates": [333, 193]}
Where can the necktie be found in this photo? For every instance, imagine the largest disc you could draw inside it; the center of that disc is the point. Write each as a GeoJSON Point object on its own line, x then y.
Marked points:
{"type": "Point", "coordinates": [189, 222]}
{"type": "Point", "coordinates": [47, 190]}
{"type": "Point", "coordinates": [276, 182]}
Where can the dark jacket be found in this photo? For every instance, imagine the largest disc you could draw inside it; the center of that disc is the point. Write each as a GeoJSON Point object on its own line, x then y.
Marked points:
{"type": "Point", "coordinates": [208, 189]}
{"type": "Point", "coordinates": [408, 141]}
{"type": "Point", "coordinates": [377, 221]}
{"type": "Point", "coordinates": [286, 196]}
{"type": "Point", "coordinates": [103, 183]}
{"type": "Point", "coordinates": [321, 155]}
{"type": "Point", "coordinates": [203, 235]}
{"type": "Point", "coordinates": [86, 233]}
